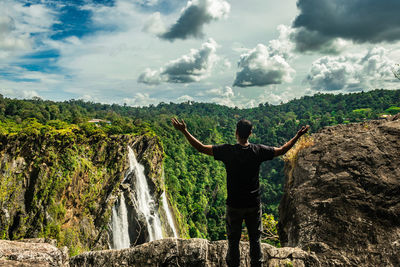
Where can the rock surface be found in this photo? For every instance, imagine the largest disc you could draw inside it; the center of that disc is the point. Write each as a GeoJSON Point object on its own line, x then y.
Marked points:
{"type": "Point", "coordinates": [342, 196]}
{"type": "Point", "coordinates": [189, 252]}
{"type": "Point", "coordinates": [36, 253]}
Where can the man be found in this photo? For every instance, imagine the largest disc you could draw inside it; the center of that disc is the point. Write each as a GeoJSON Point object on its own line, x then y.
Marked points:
{"type": "Point", "coordinates": [242, 163]}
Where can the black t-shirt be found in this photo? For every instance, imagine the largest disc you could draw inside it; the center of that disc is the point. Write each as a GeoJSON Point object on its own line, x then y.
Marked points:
{"type": "Point", "coordinates": [242, 164]}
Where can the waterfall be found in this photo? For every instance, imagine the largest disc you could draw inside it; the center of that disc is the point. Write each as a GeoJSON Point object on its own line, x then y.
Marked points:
{"type": "Point", "coordinates": [168, 213]}
{"type": "Point", "coordinates": [119, 223]}
{"type": "Point", "coordinates": [146, 204]}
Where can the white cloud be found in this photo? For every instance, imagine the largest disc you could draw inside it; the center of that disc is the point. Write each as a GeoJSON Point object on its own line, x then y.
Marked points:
{"type": "Point", "coordinates": [259, 68]}
{"type": "Point", "coordinates": [150, 77]}
{"type": "Point", "coordinates": [223, 96]}
{"type": "Point", "coordinates": [122, 15]}
{"type": "Point", "coordinates": [275, 96]}
{"type": "Point", "coordinates": [35, 18]}
{"type": "Point", "coordinates": [140, 99]}
{"type": "Point", "coordinates": [192, 67]}
{"type": "Point", "coordinates": [194, 16]}
{"type": "Point", "coordinates": [21, 25]}
{"type": "Point", "coordinates": [227, 64]}
{"type": "Point", "coordinates": [352, 72]}
{"type": "Point", "coordinates": [24, 94]}
{"type": "Point", "coordinates": [221, 92]}
{"type": "Point", "coordinates": [283, 46]}
{"type": "Point", "coordinates": [9, 40]}
{"type": "Point", "coordinates": [184, 98]}
{"type": "Point", "coordinates": [147, 2]}
{"type": "Point", "coordinates": [154, 24]}
{"type": "Point", "coordinates": [30, 94]}
{"type": "Point", "coordinates": [265, 65]}
{"type": "Point", "coordinates": [87, 98]}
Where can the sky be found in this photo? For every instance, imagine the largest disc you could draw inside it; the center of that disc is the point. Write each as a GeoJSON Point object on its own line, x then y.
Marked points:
{"type": "Point", "coordinates": [233, 53]}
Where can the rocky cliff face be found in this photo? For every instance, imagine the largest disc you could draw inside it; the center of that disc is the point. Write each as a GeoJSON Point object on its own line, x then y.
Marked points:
{"type": "Point", "coordinates": [342, 196]}
{"type": "Point", "coordinates": [63, 186]}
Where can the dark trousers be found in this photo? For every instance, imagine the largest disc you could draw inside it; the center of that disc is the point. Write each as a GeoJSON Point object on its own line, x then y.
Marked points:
{"type": "Point", "coordinates": [234, 219]}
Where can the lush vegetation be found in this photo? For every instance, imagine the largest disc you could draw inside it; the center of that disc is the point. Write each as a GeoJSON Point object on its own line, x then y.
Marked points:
{"type": "Point", "coordinates": [54, 177]}
{"type": "Point", "coordinates": [196, 182]}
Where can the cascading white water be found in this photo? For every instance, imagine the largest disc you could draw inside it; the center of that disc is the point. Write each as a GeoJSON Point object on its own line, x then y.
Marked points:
{"type": "Point", "coordinates": [170, 220]}
{"type": "Point", "coordinates": [120, 233]}
{"type": "Point", "coordinates": [146, 203]}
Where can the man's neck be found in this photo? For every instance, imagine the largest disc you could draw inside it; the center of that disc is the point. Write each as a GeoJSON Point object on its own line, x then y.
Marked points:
{"type": "Point", "coordinates": [243, 142]}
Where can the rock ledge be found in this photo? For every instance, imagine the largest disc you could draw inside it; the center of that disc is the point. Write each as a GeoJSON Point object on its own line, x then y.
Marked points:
{"type": "Point", "coordinates": [32, 252]}
{"type": "Point", "coordinates": [189, 252]}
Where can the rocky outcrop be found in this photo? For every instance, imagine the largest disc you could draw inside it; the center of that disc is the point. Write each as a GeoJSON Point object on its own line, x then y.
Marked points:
{"type": "Point", "coordinates": [342, 196]}
{"type": "Point", "coordinates": [37, 252]}
{"type": "Point", "coordinates": [63, 183]}
{"type": "Point", "coordinates": [165, 252]}
{"type": "Point", "coordinates": [189, 252]}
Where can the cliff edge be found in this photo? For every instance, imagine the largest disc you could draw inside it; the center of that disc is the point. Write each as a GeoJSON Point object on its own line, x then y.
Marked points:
{"type": "Point", "coordinates": [63, 183]}
{"type": "Point", "coordinates": [342, 195]}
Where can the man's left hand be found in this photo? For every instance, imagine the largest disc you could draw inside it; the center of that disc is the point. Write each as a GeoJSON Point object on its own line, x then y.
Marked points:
{"type": "Point", "coordinates": [303, 130]}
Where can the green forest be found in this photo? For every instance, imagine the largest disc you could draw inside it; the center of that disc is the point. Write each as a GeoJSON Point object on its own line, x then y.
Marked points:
{"type": "Point", "coordinates": [196, 182]}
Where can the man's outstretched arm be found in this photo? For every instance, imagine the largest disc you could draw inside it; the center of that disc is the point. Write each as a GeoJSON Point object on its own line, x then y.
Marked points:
{"type": "Point", "coordinates": [181, 126]}
{"type": "Point", "coordinates": [286, 147]}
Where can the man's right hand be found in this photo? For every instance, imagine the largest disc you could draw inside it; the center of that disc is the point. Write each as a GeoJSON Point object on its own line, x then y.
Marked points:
{"type": "Point", "coordinates": [180, 126]}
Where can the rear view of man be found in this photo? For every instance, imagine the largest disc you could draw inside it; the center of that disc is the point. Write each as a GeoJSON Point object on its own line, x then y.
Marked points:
{"type": "Point", "coordinates": [242, 163]}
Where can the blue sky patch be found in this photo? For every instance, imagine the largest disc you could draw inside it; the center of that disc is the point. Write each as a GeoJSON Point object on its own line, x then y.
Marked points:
{"type": "Point", "coordinates": [11, 75]}
{"type": "Point", "coordinates": [73, 22]}
{"type": "Point", "coordinates": [43, 61]}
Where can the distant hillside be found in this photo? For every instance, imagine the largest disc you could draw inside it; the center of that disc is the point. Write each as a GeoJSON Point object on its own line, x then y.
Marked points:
{"type": "Point", "coordinates": [196, 181]}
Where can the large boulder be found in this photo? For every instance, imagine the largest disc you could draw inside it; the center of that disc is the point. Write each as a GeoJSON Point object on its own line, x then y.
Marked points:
{"type": "Point", "coordinates": [189, 252]}
{"type": "Point", "coordinates": [37, 252]}
{"type": "Point", "coordinates": [342, 195]}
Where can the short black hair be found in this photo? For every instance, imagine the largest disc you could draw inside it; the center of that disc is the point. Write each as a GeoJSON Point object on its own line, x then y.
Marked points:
{"type": "Point", "coordinates": [243, 128]}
